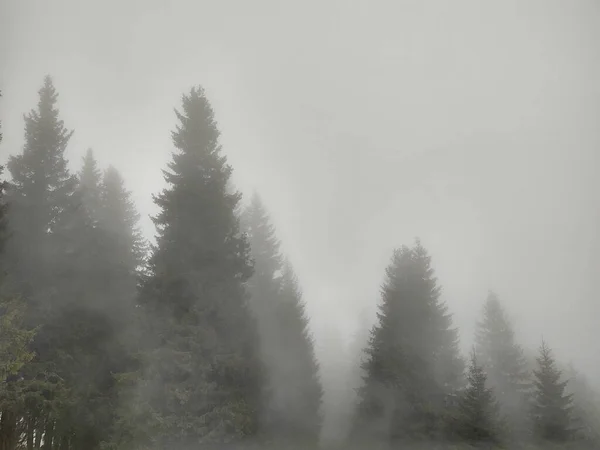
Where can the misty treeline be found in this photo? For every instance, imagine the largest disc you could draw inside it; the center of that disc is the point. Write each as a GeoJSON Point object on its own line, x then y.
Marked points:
{"type": "Point", "coordinates": [201, 340]}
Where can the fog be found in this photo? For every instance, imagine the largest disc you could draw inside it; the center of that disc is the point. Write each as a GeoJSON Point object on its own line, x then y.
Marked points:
{"type": "Point", "coordinates": [472, 125]}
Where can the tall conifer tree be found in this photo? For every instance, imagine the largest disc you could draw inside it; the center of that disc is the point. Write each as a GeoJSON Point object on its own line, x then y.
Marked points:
{"type": "Point", "coordinates": [479, 416]}
{"type": "Point", "coordinates": [90, 179]}
{"type": "Point", "coordinates": [586, 407]}
{"type": "Point", "coordinates": [41, 190]}
{"type": "Point", "coordinates": [412, 358]}
{"type": "Point", "coordinates": [294, 396]}
{"type": "Point", "coordinates": [504, 362]}
{"type": "Point", "coordinates": [205, 377]}
{"type": "Point", "coordinates": [552, 405]}
{"type": "Point", "coordinates": [40, 193]}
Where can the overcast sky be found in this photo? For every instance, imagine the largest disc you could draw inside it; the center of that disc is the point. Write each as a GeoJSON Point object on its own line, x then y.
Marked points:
{"type": "Point", "coordinates": [474, 125]}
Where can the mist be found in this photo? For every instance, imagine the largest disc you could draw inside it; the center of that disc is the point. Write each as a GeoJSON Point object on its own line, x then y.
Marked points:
{"type": "Point", "coordinates": [363, 125]}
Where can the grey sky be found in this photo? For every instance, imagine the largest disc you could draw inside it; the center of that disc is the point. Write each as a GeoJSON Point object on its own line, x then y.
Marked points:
{"type": "Point", "coordinates": [474, 125]}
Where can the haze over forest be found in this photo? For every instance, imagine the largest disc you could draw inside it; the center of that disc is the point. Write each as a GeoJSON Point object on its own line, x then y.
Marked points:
{"type": "Point", "coordinates": [360, 126]}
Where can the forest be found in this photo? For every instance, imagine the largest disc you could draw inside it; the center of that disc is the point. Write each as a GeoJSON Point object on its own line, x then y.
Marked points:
{"type": "Point", "coordinates": [201, 340]}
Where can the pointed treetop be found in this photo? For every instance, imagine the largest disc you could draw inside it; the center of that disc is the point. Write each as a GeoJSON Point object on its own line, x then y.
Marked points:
{"type": "Point", "coordinates": [116, 199]}
{"type": "Point", "coordinates": [43, 158]}
{"type": "Point", "coordinates": [552, 407]}
{"type": "Point", "coordinates": [290, 280]}
{"type": "Point", "coordinates": [262, 237]}
{"type": "Point", "coordinates": [90, 179]}
{"type": "Point", "coordinates": [89, 175]}
{"type": "Point", "coordinates": [198, 128]}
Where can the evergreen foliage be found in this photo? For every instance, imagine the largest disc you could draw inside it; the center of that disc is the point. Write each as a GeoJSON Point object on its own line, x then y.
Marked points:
{"type": "Point", "coordinates": [412, 360]}
{"type": "Point", "coordinates": [203, 340]}
{"type": "Point", "coordinates": [586, 407]}
{"type": "Point", "coordinates": [478, 411]}
{"type": "Point", "coordinates": [293, 397]}
{"type": "Point", "coordinates": [205, 379]}
{"type": "Point", "coordinates": [503, 361]}
{"type": "Point", "coordinates": [14, 339]}
{"type": "Point", "coordinates": [90, 178]}
{"type": "Point", "coordinates": [41, 192]}
{"type": "Point", "coordinates": [552, 406]}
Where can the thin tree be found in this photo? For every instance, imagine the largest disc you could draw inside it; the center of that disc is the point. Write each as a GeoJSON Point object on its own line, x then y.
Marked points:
{"type": "Point", "coordinates": [293, 398]}
{"type": "Point", "coordinates": [504, 362]}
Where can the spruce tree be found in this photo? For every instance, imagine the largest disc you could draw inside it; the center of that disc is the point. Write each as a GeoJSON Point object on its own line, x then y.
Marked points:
{"type": "Point", "coordinates": [299, 381]}
{"type": "Point", "coordinates": [552, 406]}
{"type": "Point", "coordinates": [40, 193]}
{"type": "Point", "coordinates": [101, 278]}
{"type": "Point", "coordinates": [57, 253]}
{"type": "Point", "coordinates": [478, 411]}
{"type": "Point", "coordinates": [120, 258]}
{"type": "Point", "coordinates": [586, 407]}
{"type": "Point", "coordinates": [90, 179]}
{"type": "Point", "coordinates": [119, 218]}
{"type": "Point", "coordinates": [294, 391]}
{"type": "Point", "coordinates": [14, 339]}
{"type": "Point", "coordinates": [504, 362]}
{"type": "Point", "coordinates": [205, 379]}
{"type": "Point", "coordinates": [412, 360]}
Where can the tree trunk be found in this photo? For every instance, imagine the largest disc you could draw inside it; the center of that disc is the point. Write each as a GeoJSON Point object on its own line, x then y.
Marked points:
{"type": "Point", "coordinates": [8, 429]}
{"type": "Point", "coordinates": [49, 435]}
{"type": "Point", "coordinates": [30, 430]}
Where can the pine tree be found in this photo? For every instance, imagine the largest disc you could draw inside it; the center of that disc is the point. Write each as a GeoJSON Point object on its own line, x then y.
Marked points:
{"type": "Point", "coordinates": [478, 411]}
{"type": "Point", "coordinates": [58, 254]}
{"type": "Point", "coordinates": [119, 257]}
{"type": "Point", "coordinates": [299, 371]}
{"type": "Point", "coordinates": [89, 183]}
{"type": "Point", "coordinates": [14, 339]}
{"type": "Point", "coordinates": [412, 358]}
{"type": "Point", "coordinates": [264, 248]}
{"type": "Point", "coordinates": [294, 394]}
{"type": "Point", "coordinates": [504, 362]}
{"type": "Point", "coordinates": [552, 406]}
{"type": "Point", "coordinates": [586, 407]}
{"type": "Point", "coordinates": [119, 218]}
{"type": "Point", "coordinates": [40, 192]}
{"type": "Point", "coordinates": [99, 268]}
{"type": "Point", "coordinates": [204, 380]}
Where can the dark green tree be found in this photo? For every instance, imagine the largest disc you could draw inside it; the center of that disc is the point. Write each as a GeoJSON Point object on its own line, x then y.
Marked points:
{"type": "Point", "coordinates": [293, 397]}
{"type": "Point", "coordinates": [505, 364]}
{"type": "Point", "coordinates": [478, 418]}
{"type": "Point", "coordinates": [58, 254]}
{"type": "Point", "coordinates": [14, 339]}
{"type": "Point", "coordinates": [15, 342]}
{"type": "Point", "coordinates": [552, 406]}
{"type": "Point", "coordinates": [205, 379]}
{"type": "Point", "coordinates": [41, 192]}
{"type": "Point", "coordinates": [412, 359]}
